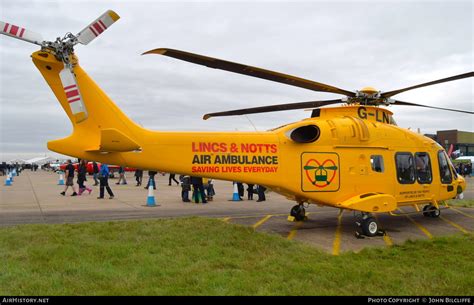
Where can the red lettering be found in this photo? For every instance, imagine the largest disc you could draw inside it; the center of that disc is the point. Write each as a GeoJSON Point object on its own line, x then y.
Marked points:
{"type": "Point", "coordinates": [231, 169]}
{"type": "Point", "coordinates": [258, 148]}
{"type": "Point", "coordinates": [223, 147]}
{"type": "Point", "coordinates": [205, 169]}
{"type": "Point", "coordinates": [257, 169]}
{"type": "Point", "coordinates": [208, 147]}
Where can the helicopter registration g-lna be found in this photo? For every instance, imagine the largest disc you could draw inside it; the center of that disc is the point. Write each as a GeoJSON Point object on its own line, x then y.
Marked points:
{"type": "Point", "coordinates": [349, 157]}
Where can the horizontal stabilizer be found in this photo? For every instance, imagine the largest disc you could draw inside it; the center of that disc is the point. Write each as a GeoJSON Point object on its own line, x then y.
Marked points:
{"type": "Point", "coordinates": [112, 140]}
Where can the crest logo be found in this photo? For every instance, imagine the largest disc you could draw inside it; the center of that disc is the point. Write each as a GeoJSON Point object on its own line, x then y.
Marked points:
{"type": "Point", "coordinates": [319, 172]}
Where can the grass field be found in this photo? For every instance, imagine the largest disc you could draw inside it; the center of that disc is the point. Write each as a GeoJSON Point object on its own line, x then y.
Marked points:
{"type": "Point", "coordinates": [468, 203]}
{"type": "Point", "coordinates": [197, 256]}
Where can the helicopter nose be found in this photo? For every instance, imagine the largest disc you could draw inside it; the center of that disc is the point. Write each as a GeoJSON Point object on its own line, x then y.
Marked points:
{"type": "Point", "coordinates": [461, 187]}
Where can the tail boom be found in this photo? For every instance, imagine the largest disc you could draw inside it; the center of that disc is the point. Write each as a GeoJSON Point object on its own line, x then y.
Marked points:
{"type": "Point", "coordinates": [108, 135]}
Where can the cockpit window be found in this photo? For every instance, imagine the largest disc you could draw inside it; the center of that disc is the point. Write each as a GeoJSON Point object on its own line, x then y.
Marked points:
{"type": "Point", "coordinates": [453, 169]}
{"type": "Point", "coordinates": [392, 121]}
{"type": "Point", "coordinates": [423, 168]}
{"type": "Point", "coordinates": [444, 170]}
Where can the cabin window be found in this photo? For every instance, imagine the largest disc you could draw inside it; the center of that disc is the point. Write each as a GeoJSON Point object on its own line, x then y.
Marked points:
{"type": "Point", "coordinates": [405, 168]}
{"type": "Point", "coordinates": [376, 162]}
{"type": "Point", "coordinates": [423, 168]}
{"type": "Point", "coordinates": [444, 171]}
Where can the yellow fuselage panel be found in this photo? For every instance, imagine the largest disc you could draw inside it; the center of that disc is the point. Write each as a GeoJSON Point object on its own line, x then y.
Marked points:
{"type": "Point", "coordinates": [331, 170]}
{"type": "Point", "coordinates": [369, 90]}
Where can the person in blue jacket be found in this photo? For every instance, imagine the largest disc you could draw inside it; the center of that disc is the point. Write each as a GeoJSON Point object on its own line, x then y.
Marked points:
{"type": "Point", "coordinates": [104, 181]}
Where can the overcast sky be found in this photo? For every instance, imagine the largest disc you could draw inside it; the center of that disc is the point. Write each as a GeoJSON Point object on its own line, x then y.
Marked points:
{"type": "Point", "coordinates": [348, 44]}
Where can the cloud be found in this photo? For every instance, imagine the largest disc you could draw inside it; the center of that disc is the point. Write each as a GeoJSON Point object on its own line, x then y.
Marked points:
{"type": "Point", "coordinates": [350, 45]}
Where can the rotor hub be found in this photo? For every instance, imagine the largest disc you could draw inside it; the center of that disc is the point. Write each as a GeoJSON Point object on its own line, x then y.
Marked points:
{"type": "Point", "coordinates": [368, 93]}
{"type": "Point", "coordinates": [369, 90]}
{"type": "Point", "coordinates": [63, 48]}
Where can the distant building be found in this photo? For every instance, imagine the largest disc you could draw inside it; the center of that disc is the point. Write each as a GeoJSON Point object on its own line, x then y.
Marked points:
{"type": "Point", "coordinates": [461, 140]}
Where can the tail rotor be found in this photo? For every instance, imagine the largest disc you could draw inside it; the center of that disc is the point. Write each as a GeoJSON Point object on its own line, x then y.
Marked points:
{"type": "Point", "coordinates": [63, 50]}
{"type": "Point", "coordinates": [73, 94]}
{"type": "Point", "coordinates": [97, 27]}
{"type": "Point", "coordinates": [20, 33]}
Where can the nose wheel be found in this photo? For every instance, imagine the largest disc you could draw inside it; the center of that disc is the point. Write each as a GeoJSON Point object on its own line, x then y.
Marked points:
{"type": "Point", "coordinates": [298, 212]}
{"type": "Point", "coordinates": [368, 226]}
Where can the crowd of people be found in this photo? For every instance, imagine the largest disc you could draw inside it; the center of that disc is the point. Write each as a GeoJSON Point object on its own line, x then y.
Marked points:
{"type": "Point", "coordinates": [464, 169]}
{"type": "Point", "coordinates": [6, 168]}
{"type": "Point", "coordinates": [102, 174]}
{"type": "Point", "coordinates": [251, 190]}
{"type": "Point", "coordinates": [202, 189]}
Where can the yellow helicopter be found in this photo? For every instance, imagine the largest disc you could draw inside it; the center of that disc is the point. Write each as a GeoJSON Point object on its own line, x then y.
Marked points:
{"type": "Point", "coordinates": [351, 157]}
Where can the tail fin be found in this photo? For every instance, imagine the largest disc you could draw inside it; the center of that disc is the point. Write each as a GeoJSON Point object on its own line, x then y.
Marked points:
{"type": "Point", "coordinates": [106, 128]}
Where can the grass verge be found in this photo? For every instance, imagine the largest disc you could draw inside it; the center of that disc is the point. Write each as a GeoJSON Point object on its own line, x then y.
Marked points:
{"type": "Point", "coordinates": [197, 256]}
{"type": "Point", "coordinates": [467, 203]}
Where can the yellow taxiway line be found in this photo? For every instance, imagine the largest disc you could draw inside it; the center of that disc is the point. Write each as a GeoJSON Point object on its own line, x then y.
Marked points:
{"type": "Point", "coordinates": [261, 221]}
{"type": "Point", "coordinates": [226, 219]}
{"type": "Point", "coordinates": [260, 215]}
{"type": "Point", "coordinates": [422, 228]}
{"type": "Point", "coordinates": [337, 239]}
{"type": "Point", "coordinates": [454, 225]}
{"type": "Point", "coordinates": [388, 241]}
{"type": "Point", "coordinates": [386, 238]}
{"type": "Point", "coordinates": [292, 233]}
{"type": "Point", "coordinates": [461, 212]}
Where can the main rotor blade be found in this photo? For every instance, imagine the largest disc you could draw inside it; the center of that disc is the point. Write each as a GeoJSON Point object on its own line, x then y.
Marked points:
{"type": "Point", "coordinates": [439, 81]}
{"type": "Point", "coordinates": [20, 33]}
{"type": "Point", "coordinates": [401, 103]}
{"type": "Point", "coordinates": [249, 70]}
{"type": "Point", "coordinates": [98, 26]}
{"type": "Point", "coordinates": [280, 107]}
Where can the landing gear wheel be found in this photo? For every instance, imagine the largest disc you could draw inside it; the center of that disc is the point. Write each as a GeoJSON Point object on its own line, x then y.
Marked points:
{"type": "Point", "coordinates": [434, 212]}
{"type": "Point", "coordinates": [425, 213]}
{"type": "Point", "coordinates": [431, 211]}
{"type": "Point", "coordinates": [298, 212]}
{"type": "Point", "coordinates": [369, 226]}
